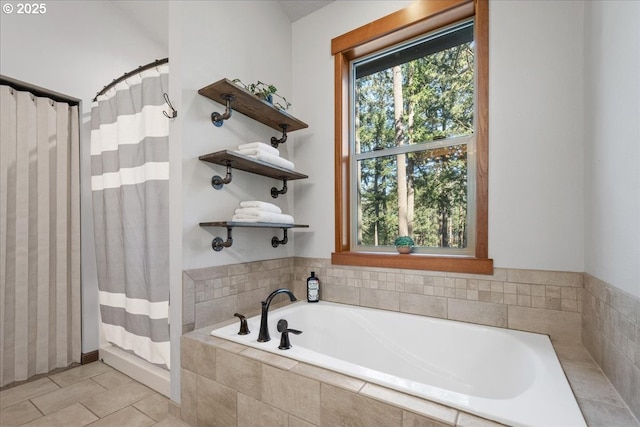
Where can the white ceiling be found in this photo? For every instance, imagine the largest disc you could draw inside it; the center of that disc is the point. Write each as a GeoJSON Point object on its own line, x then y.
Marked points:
{"type": "Point", "coordinates": [152, 17]}
{"type": "Point", "coordinates": [297, 9]}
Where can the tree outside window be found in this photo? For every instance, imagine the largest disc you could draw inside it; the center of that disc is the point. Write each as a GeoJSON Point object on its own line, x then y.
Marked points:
{"type": "Point", "coordinates": [412, 144]}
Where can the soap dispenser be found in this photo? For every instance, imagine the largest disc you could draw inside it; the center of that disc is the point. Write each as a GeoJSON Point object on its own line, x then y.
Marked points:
{"type": "Point", "coordinates": [313, 288]}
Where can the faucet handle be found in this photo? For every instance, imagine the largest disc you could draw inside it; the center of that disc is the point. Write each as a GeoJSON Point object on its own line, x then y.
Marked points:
{"type": "Point", "coordinates": [244, 328]}
{"type": "Point", "coordinates": [283, 326]}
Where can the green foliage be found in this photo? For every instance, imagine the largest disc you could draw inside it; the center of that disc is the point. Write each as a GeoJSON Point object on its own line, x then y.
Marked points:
{"type": "Point", "coordinates": [438, 97]}
{"type": "Point", "coordinates": [404, 241]}
{"type": "Point", "coordinates": [266, 92]}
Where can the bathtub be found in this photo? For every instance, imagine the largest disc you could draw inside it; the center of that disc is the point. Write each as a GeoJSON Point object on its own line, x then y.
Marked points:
{"type": "Point", "coordinates": [509, 376]}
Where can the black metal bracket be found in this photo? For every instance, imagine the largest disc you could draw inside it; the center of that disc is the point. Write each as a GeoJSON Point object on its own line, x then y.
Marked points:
{"type": "Point", "coordinates": [218, 182]}
{"type": "Point", "coordinates": [218, 119]}
{"type": "Point", "coordinates": [218, 244]}
{"type": "Point", "coordinates": [275, 192]}
{"type": "Point", "coordinates": [275, 141]}
{"type": "Point", "coordinates": [275, 242]}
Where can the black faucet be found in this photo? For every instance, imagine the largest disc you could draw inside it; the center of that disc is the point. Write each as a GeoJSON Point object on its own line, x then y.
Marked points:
{"type": "Point", "coordinates": [263, 336]}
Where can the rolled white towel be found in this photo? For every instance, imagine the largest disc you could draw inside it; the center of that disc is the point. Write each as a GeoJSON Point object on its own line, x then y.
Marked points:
{"type": "Point", "coordinates": [263, 216]}
{"type": "Point", "coordinates": [270, 158]}
{"type": "Point", "coordinates": [260, 146]}
{"type": "Point", "coordinates": [263, 206]}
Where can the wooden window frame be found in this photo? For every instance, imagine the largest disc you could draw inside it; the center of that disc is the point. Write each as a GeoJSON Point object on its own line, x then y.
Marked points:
{"type": "Point", "coordinates": [419, 18]}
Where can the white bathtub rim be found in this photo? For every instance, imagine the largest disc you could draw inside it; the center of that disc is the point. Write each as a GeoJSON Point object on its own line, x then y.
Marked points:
{"type": "Point", "coordinates": [566, 412]}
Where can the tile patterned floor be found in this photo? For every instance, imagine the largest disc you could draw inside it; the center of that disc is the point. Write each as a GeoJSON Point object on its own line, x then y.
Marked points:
{"type": "Point", "coordinates": [93, 395]}
{"type": "Point", "coordinates": [96, 395]}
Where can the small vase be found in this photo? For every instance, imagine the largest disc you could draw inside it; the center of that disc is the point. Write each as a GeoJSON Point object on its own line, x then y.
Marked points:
{"type": "Point", "coordinates": [267, 98]}
{"type": "Point", "coordinates": [404, 249]}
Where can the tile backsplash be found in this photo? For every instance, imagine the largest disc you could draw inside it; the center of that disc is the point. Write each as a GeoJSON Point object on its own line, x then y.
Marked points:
{"type": "Point", "coordinates": [611, 333]}
{"type": "Point", "coordinates": [531, 300]}
{"type": "Point", "coordinates": [211, 295]}
{"type": "Point", "coordinates": [537, 301]}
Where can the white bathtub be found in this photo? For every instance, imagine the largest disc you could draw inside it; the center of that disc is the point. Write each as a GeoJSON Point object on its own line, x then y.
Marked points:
{"type": "Point", "coordinates": [504, 375]}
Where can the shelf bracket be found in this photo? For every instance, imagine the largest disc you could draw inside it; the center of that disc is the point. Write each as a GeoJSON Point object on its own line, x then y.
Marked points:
{"type": "Point", "coordinates": [275, 141]}
{"type": "Point", "coordinates": [275, 192]}
{"type": "Point", "coordinates": [218, 244]}
{"type": "Point", "coordinates": [218, 182]}
{"type": "Point", "coordinates": [275, 242]}
{"type": "Point", "coordinates": [218, 119]}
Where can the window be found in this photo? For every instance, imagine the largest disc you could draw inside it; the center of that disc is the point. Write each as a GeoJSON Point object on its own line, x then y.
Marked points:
{"type": "Point", "coordinates": [411, 138]}
{"type": "Point", "coordinates": [410, 141]}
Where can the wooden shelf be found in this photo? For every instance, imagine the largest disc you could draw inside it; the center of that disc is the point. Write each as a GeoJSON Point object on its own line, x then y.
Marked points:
{"type": "Point", "coordinates": [249, 164]}
{"type": "Point", "coordinates": [250, 105]}
{"type": "Point", "coordinates": [234, 97]}
{"type": "Point", "coordinates": [218, 243]}
{"type": "Point", "coordinates": [232, 224]}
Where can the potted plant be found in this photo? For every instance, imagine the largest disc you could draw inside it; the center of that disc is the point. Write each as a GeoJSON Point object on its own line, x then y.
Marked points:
{"type": "Point", "coordinates": [404, 244]}
{"type": "Point", "coordinates": [266, 92]}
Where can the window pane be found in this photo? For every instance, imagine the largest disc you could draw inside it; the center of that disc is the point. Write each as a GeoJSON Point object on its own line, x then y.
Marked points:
{"type": "Point", "coordinates": [429, 97]}
{"type": "Point", "coordinates": [435, 212]}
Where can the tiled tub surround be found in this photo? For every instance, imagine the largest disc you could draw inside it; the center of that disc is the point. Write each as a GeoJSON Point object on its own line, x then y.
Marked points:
{"type": "Point", "coordinates": [229, 384]}
{"type": "Point", "coordinates": [528, 300]}
{"type": "Point", "coordinates": [531, 300]}
{"type": "Point", "coordinates": [433, 359]}
{"type": "Point", "coordinates": [534, 301]}
{"type": "Point", "coordinates": [611, 333]}
{"type": "Point", "coordinates": [211, 295]}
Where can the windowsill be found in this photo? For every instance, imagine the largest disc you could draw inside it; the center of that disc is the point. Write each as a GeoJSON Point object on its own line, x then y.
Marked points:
{"type": "Point", "coordinates": [451, 264]}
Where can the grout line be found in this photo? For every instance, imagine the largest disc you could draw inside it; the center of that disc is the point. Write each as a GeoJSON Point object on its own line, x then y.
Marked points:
{"type": "Point", "coordinates": [87, 408]}
{"type": "Point", "coordinates": [35, 406]}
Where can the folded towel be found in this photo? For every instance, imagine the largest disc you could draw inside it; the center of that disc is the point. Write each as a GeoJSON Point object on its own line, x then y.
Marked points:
{"type": "Point", "coordinates": [264, 217]}
{"type": "Point", "coordinates": [252, 211]}
{"type": "Point", "coordinates": [255, 151]}
{"type": "Point", "coordinates": [264, 206]}
{"type": "Point", "coordinates": [261, 146]}
{"type": "Point", "coordinates": [270, 158]}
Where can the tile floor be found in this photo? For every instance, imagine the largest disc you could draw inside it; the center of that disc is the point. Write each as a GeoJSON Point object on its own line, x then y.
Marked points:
{"type": "Point", "coordinates": [93, 395]}
{"type": "Point", "coordinates": [96, 395]}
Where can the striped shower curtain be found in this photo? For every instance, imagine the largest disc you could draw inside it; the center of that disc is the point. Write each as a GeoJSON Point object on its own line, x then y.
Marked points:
{"type": "Point", "coordinates": [130, 186]}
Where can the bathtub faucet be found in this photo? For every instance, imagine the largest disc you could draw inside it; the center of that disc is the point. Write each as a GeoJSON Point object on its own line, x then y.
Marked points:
{"type": "Point", "coordinates": [263, 336]}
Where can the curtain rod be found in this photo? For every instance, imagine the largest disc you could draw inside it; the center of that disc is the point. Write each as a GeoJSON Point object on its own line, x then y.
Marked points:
{"type": "Point", "coordinates": [129, 74]}
{"type": "Point", "coordinates": [38, 91]}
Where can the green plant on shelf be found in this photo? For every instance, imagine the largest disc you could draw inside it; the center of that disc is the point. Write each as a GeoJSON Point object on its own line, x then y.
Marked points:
{"type": "Point", "coordinates": [266, 92]}
{"type": "Point", "coordinates": [404, 241]}
{"type": "Point", "coordinates": [404, 244]}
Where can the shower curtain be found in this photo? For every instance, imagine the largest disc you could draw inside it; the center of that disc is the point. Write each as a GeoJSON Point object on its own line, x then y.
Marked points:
{"type": "Point", "coordinates": [39, 235]}
{"type": "Point", "coordinates": [130, 187]}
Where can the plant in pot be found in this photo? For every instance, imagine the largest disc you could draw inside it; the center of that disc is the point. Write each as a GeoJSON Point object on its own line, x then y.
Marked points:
{"type": "Point", "coordinates": [404, 244]}
{"type": "Point", "coordinates": [266, 92]}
